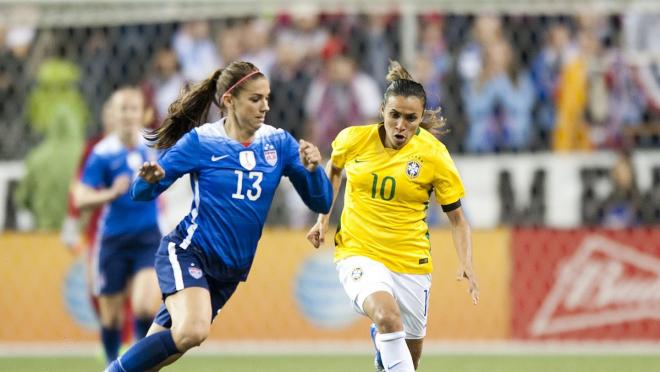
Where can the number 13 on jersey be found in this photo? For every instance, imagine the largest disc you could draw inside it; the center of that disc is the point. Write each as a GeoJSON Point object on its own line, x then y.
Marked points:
{"type": "Point", "coordinates": [254, 192]}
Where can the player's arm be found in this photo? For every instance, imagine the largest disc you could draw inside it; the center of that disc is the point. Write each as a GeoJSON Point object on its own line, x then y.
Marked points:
{"type": "Point", "coordinates": [92, 191]}
{"type": "Point", "coordinates": [86, 197]}
{"type": "Point", "coordinates": [317, 233]}
{"type": "Point", "coordinates": [461, 236]}
{"type": "Point", "coordinates": [308, 178]}
{"type": "Point", "coordinates": [155, 177]}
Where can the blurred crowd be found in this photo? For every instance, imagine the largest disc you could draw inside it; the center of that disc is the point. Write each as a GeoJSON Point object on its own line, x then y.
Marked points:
{"type": "Point", "coordinates": [504, 83]}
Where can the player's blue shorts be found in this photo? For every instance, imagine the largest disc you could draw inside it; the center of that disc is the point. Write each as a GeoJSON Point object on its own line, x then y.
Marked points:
{"type": "Point", "coordinates": [179, 268]}
{"type": "Point", "coordinates": [121, 256]}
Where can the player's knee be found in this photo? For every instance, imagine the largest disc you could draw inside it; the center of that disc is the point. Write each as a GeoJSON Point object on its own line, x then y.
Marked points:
{"type": "Point", "coordinates": [190, 335]}
{"type": "Point", "coordinates": [388, 321]}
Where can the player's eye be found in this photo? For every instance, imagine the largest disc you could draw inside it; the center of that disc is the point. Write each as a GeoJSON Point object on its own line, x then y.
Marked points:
{"type": "Point", "coordinates": [411, 118]}
{"type": "Point", "coordinates": [395, 115]}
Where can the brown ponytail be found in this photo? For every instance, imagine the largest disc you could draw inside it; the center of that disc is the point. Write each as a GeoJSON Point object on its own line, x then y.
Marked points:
{"type": "Point", "coordinates": [191, 109]}
{"type": "Point", "coordinates": [402, 84]}
{"type": "Point", "coordinates": [187, 112]}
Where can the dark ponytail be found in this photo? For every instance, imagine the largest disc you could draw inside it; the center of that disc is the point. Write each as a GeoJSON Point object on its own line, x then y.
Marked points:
{"type": "Point", "coordinates": [187, 112]}
{"type": "Point", "coordinates": [191, 109]}
{"type": "Point", "coordinates": [402, 84]}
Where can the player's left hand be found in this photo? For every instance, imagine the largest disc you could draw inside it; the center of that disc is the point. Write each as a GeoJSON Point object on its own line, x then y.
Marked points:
{"type": "Point", "coordinates": [310, 156]}
{"type": "Point", "coordinates": [468, 273]}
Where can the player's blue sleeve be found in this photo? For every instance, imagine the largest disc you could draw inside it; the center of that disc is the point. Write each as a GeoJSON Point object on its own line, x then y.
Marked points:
{"type": "Point", "coordinates": [314, 187]}
{"type": "Point", "coordinates": [93, 171]}
{"type": "Point", "coordinates": [182, 158]}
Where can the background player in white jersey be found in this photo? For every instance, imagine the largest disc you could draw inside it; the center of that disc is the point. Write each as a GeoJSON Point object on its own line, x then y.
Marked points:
{"type": "Point", "coordinates": [235, 165]}
{"type": "Point", "coordinates": [383, 252]}
{"type": "Point", "coordinates": [128, 234]}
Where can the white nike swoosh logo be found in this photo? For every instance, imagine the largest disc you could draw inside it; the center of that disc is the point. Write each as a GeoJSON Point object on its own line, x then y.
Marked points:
{"type": "Point", "coordinates": [216, 158]}
{"type": "Point", "coordinates": [393, 365]}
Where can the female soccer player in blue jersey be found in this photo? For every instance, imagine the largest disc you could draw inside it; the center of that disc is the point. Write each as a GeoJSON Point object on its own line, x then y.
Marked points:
{"type": "Point", "coordinates": [382, 248]}
{"type": "Point", "coordinates": [235, 166]}
{"type": "Point", "coordinates": [128, 234]}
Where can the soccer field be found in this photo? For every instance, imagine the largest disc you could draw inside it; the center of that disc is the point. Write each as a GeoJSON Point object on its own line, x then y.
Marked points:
{"type": "Point", "coordinates": [432, 363]}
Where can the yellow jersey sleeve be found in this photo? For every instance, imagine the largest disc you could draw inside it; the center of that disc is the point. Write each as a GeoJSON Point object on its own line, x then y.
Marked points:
{"type": "Point", "coordinates": [446, 180]}
{"type": "Point", "coordinates": [341, 148]}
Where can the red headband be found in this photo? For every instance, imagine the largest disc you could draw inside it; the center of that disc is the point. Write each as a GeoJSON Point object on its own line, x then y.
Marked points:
{"type": "Point", "coordinates": [238, 82]}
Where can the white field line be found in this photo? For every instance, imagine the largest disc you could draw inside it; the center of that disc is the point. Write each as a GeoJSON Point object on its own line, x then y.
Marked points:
{"type": "Point", "coordinates": [356, 348]}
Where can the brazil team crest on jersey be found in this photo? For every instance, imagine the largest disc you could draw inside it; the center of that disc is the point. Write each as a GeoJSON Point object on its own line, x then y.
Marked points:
{"type": "Point", "coordinates": [414, 167]}
{"type": "Point", "coordinates": [247, 159]}
{"type": "Point", "coordinates": [270, 154]}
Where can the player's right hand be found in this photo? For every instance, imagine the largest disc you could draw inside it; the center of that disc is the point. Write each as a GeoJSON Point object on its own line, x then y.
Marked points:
{"type": "Point", "coordinates": [316, 234]}
{"type": "Point", "coordinates": [151, 172]}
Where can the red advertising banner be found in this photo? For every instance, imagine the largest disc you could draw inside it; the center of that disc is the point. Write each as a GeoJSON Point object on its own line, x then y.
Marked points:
{"type": "Point", "coordinates": [586, 284]}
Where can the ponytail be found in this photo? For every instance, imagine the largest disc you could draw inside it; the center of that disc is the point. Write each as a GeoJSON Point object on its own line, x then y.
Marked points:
{"type": "Point", "coordinates": [190, 110]}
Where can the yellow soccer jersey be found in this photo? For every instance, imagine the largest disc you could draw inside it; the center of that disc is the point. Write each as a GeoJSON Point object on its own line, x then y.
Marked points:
{"type": "Point", "coordinates": [387, 195]}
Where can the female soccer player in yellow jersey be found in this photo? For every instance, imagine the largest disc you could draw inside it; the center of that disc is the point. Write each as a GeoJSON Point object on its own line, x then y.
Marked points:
{"type": "Point", "coordinates": [382, 243]}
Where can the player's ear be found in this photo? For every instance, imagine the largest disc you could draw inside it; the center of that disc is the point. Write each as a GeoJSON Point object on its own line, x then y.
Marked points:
{"type": "Point", "coordinates": [382, 109]}
{"type": "Point", "coordinates": [227, 100]}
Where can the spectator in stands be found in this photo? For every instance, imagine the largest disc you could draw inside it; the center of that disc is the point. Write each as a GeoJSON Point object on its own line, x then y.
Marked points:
{"type": "Point", "coordinates": [129, 233]}
{"type": "Point", "coordinates": [15, 78]}
{"type": "Point", "coordinates": [195, 50]}
{"type": "Point", "coordinates": [622, 207]}
{"type": "Point", "coordinates": [303, 31]}
{"type": "Point", "coordinates": [558, 48]}
{"type": "Point", "coordinates": [373, 38]}
{"type": "Point", "coordinates": [433, 62]}
{"type": "Point", "coordinates": [486, 29]}
{"type": "Point", "coordinates": [235, 164]}
{"type": "Point", "coordinates": [382, 250]}
{"type": "Point", "coordinates": [163, 84]}
{"type": "Point", "coordinates": [341, 95]}
{"type": "Point", "coordinates": [498, 102]}
{"type": "Point", "coordinates": [230, 43]}
{"type": "Point", "coordinates": [257, 45]}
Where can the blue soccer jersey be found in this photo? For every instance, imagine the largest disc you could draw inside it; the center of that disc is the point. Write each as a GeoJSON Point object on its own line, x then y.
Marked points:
{"type": "Point", "coordinates": [108, 160]}
{"type": "Point", "coordinates": [233, 187]}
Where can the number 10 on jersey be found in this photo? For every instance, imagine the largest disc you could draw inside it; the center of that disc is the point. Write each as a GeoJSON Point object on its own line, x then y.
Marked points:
{"type": "Point", "coordinates": [254, 192]}
{"type": "Point", "coordinates": [388, 183]}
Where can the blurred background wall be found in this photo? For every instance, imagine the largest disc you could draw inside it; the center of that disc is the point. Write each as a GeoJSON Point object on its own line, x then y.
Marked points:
{"type": "Point", "coordinates": [553, 119]}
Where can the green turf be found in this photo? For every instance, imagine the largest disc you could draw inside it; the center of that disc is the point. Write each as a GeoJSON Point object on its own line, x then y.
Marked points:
{"type": "Point", "coordinates": [430, 363]}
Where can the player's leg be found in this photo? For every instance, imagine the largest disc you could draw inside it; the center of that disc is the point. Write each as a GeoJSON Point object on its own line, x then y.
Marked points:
{"type": "Point", "coordinates": [190, 311]}
{"type": "Point", "coordinates": [383, 310]}
{"type": "Point", "coordinates": [186, 316]}
{"type": "Point", "coordinates": [369, 285]}
{"type": "Point", "coordinates": [110, 279]}
{"type": "Point", "coordinates": [111, 318]}
{"type": "Point", "coordinates": [412, 294]}
{"type": "Point", "coordinates": [145, 296]}
{"type": "Point", "coordinates": [155, 328]}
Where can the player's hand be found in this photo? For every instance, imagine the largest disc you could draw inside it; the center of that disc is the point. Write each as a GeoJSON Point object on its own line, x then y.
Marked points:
{"type": "Point", "coordinates": [468, 273]}
{"type": "Point", "coordinates": [121, 185]}
{"type": "Point", "coordinates": [151, 172]}
{"type": "Point", "coordinates": [310, 156]}
{"type": "Point", "coordinates": [316, 234]}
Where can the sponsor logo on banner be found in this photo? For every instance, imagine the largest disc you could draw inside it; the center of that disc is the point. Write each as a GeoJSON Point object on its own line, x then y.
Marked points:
{"type": "Point", "coordinates": [604, 283]}
{"type": "Point", "coordinates": [247, 159]}
{"type": "Point", "coordinates": [270, 154]}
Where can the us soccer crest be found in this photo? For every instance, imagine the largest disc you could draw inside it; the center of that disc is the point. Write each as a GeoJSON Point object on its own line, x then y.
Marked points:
{"type": "Point", "coordinates": [414, 167]}
{"type": "Point", "coordinates": [247, 159]}
{"type": "Point", "coordinates": [270, 154]}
